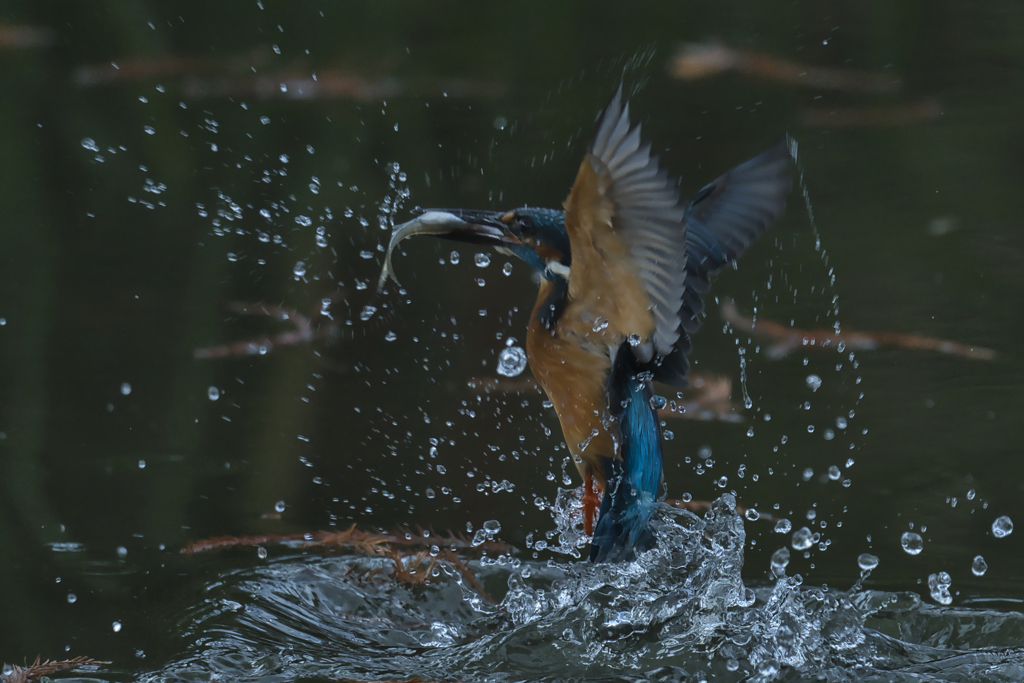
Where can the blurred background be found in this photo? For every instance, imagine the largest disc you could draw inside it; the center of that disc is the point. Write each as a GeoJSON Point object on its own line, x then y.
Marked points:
{"type": "Point", "coordinates": [194, 206]}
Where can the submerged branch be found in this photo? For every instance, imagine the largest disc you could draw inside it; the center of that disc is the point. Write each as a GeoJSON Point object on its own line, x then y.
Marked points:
{"type": "Point", "coordinates": [708, 396]}
{"type": "Point", "coordinates": [305, 330]}
{"type": "Point", "coordinates": [788, 339]}
{"type": "Point", "coordinates": [40, 668]}
{"type": "Point", "coordinates": [699, 60]}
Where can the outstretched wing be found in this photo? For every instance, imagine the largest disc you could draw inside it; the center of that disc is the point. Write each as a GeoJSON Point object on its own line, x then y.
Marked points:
{"type": "Point", "coordinates": [727, 215]}
{"type": "Point", "coordinates": [629, 210]}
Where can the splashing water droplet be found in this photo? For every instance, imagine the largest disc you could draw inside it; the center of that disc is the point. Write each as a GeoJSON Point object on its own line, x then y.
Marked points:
{"type": "Point", "coordinates": [279, 506]}
{"type": "Point", "coordinates": [867, 562]}
{"type": "Point", "coordinates": [116, 626]}
{"type": "Point", "coordinates": [90, 144]}
{"type": "Point", "coordinates": [634, 339]}
{"type": "Point", "coordinates": [390, 336]}
{"type": "Point", "coordinates": [367, 312]}
{"type": "Point", "coordinates": [912, 543]}
{"type": "Point", "coordinates": [814, 382]}
{"type": "Point", "coordinates": [938, 586]}
{"type": "Point", "coordinates": [600, 324]}
{"type": "Point", "coordinates": [261, 552]}
{"type": "Point", "coordinates": [1002, 527]}
{"type": "Point", "coordinates": [482, 260]}
{"type": "Point", "coordinates": [507, 268]}
{"type": "Point", "coordinates": [511, 361]}
{"type": "Point", "coordinates": [752, 514]}
{"type": "Point", "coordinates": [780, 560]}
{"type": "Point", "coordinates": [126, 388]}
{"type": "Point", "coordinates": [213, 393]}
{"type": "Point", "coordinates": [299, 270]}
{"type": "Point", "coordinates": [454, 258]}
{"type": "Point", "coordinates": [802, 539]}
{"type": "Point", "coordinates": [783, 526]}
{"type": "Point", "coordinates": [979, 566]}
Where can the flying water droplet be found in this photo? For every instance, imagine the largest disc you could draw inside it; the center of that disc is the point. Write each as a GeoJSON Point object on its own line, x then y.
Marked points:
{"type": "Point", "coordinates": [979, 566]}
{"type": "Point", "coordinates": [600, 324]}
{"type": "Point", "coordinates": [802, 539]}
{"type": "Point", "coordinates": [367, 312]}
{"type": "Point", "coordinates": [454, 258]}
{"type": "Point", "coordinates": [90, 144]}
{"type": "Point", "coordinates": [511, 361]}
{"type": "Point", "coordinates": [507, 268]}
{"type": "Point", "coordinates": [279, 506]}
{"type": "Point", "coordinates": [867, 562]}
{"type": "Point", "coordinates": [634, 339]}
{"type": "Point", "coordinates": [299, 270]}
{"type": "Point", "coordinates": [783, 526]}
{"type": "Point", "coordinates": [482, 260]}
{"type": "Point", "coordinates": [390, 336]}
{"type": "Point", "coordinates": [814, 382]}
{"type": "Point", "coordinates": [780, 560]}
{"type": "Point", "coordinates": [1002, 527]}
{"type": "Point", "coordinates": [213, 393]}
{"type": "Point", "coordinates": [752, 514]}
{"type": "Point", "coordinates": [938, 586]}
{"type": "Point", "coordinates": [912, 543]}
{"type": "Point", "coordinates": [126, 389]}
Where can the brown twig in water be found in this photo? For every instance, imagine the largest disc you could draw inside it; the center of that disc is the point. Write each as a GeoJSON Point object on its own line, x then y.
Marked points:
{"type": "Point", "coordinates": [862, 117]}
{"type": "Point", "coordinates": [305, 331]}
{"type": "Point", "coordinates": [39, 668]}
{"type": "Point", "coordinates": [698, 60]}
{"type": "Point", "coordinates": [21, 37]}
{"type": "Point", "coordinates": [710, 401]}
{"type": "Point", "coordinates": [788, 339]}
{"type": "Point", "coordinates": [365, 542]}
{"type": "Point", "coordinates": [407, 565]}
{"type": "Point", "coordinates": [467, 574]}
{"type": "Point", "coordinates": [208, 77]}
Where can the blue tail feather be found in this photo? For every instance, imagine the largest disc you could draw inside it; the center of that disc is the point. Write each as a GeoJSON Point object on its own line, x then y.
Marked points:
{"type": "Point", "coordinates": [633, 483]}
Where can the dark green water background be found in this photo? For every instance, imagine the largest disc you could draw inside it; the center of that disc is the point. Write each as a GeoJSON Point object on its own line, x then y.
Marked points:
{"type": "Point", "coordinates": [113, 271]}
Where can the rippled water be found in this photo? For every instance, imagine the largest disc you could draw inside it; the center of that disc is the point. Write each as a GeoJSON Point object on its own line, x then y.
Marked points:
{"type": "Point", "coordinates": [679, 613]}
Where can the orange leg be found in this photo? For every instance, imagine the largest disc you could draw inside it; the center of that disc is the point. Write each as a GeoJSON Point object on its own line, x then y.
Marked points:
{"type": "Point", "coordinates": [590, 501]}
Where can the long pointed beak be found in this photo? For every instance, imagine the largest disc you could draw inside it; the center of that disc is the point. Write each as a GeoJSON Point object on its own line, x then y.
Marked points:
{"type": "Point", "coordinates": [475, 227]}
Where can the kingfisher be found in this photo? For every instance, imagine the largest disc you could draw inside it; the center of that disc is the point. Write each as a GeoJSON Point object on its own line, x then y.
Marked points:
{"type": "Point", "coordinates": [621, 266]}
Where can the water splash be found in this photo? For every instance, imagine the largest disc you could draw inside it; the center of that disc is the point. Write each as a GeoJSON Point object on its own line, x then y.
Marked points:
{"type": "Point", "coordinates": [680, 612]}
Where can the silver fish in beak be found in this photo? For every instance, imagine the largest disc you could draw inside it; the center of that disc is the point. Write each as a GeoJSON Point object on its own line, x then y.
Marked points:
{"type": "Point", "coordinates": [475, 227]}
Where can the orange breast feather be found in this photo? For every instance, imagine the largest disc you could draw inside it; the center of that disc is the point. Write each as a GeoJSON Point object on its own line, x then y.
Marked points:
{"type": "Point", "coordinates": [574, 379]}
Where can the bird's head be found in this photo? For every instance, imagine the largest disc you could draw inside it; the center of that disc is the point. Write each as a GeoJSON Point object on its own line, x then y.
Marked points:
{"type": "Point", "coordinates": [537, 236]}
